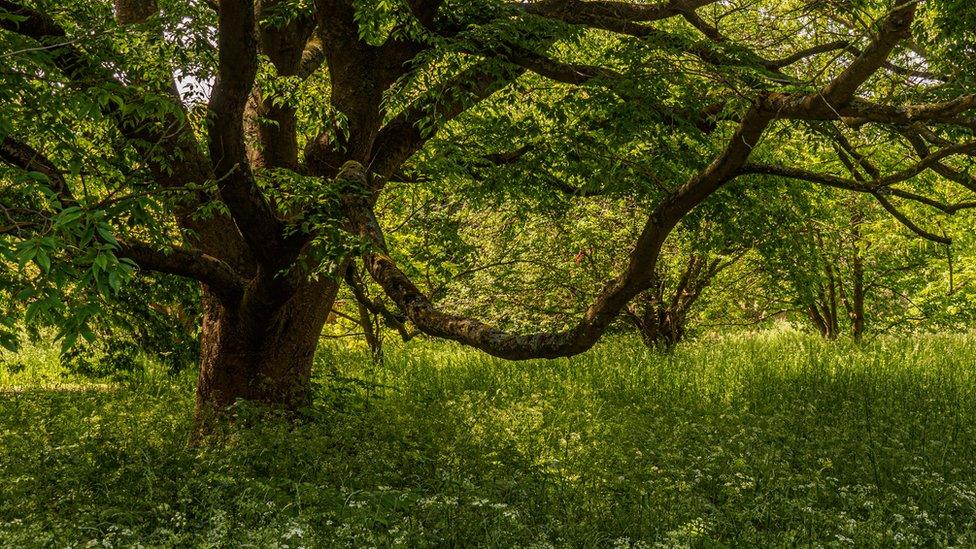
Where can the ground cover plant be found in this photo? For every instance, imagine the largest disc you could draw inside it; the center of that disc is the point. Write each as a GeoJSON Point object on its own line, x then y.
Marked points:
{"type": "Point", "coordinates": [776, 439]}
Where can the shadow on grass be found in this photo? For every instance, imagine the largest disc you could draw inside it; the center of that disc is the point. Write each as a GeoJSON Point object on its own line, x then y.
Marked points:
{"type": "Point", "coordinates": [745, 445]}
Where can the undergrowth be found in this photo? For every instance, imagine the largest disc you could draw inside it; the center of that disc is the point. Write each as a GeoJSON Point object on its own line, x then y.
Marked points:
{"type": "Point", "coordinates": [775, 439]}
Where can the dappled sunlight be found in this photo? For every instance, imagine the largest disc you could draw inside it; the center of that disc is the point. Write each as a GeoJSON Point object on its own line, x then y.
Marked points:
{"type": "Point", "coordinates": [493, 273]}
{"type": "Point", "coordinates": [746, 440]}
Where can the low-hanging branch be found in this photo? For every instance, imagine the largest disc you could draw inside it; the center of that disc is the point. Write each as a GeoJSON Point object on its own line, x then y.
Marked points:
{"type": "Point", "coordinates": [615, 296]}
{"type": "Point", "coordinates": [919, 144]}
{"type": "Point", "coordinates": [217, 275]}
{"type": "Point", "coordinates": [639, 272]}
{"type": "Point", "coordinates": [610, 14]}
{"type": "Point", "coordinates": [392, 319]}
{"type": "Point", "coordinates": [906, 221]}
{"type": "Point", "coordinates": [20, 154]}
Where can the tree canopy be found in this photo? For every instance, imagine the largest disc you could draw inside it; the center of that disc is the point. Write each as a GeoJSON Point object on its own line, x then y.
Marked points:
{"type": "Point", "coordinates": [268, 149]}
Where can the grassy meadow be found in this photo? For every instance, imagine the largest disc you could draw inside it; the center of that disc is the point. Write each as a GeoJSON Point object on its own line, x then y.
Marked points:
{"type": "Point", "coordinates": [775, 439]}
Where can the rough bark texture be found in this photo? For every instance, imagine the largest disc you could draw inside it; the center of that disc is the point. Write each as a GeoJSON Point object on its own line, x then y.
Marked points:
{"type": "Point", "coordinates": [260, 353]}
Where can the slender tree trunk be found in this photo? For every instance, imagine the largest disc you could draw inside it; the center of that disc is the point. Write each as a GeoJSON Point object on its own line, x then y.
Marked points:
{"type": "Point", "coordinates": [665, 335]}
{"type": "Point", "coordinates": [660, 328]}
{"type": "Point", "coordinates": [830, 306]}
{"type": "Point", "coordinates": [261, 354]}
{"type": "Point", "coordinates": [857, 310]}
{"type": "Point", "coordinates": [824, 317]}
{"type": "Point", "coordinates": [371, 332]}
{"type": "Point", "coordinates": [661, 321]}
{"type": "Point", "coordinates": [857, 273]}
{"type": "Point", "coordinates": [817, 319]}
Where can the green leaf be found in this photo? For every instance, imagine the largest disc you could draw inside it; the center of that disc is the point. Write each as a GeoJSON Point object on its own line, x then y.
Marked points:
{"type": "Point", "coordinates": [70, 215]}
{"type": "Point", "coordinates": [43, 260]}
{"type": "Point", "coordinates": [9, 341]}
{"type": "Point", "coordinates": [105, 232]}
{"type": "Point", "coordinates": [27, 253]}
{"type": "Point", "coordinates": [102, 261]}
{"type": "Point", "coordinates": [113, 281]}
{"type": "Point", "coordinates": [68, 341]}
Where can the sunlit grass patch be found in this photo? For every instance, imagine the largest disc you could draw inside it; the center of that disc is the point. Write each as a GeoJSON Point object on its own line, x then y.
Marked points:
{"type": "Point", "coordinates": [770, 439]}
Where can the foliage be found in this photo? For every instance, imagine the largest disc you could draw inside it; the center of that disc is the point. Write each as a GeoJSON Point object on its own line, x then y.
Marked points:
{"type": "Point", "coordinates": [502, 119]}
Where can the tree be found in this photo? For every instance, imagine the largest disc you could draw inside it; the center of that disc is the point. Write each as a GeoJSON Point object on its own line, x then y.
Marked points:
{"type": "Point", "coordinates": [267, 193]}
{"type": "Point", "coordinates": [661, 312]}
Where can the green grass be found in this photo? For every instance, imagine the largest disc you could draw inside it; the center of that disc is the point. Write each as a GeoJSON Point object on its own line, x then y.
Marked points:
{"type": "Point", "coordinates": [773, 440]}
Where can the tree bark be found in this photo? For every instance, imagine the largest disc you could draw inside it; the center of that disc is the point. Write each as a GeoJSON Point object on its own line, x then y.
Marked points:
{"type": "Point", "coordinates": [661, 322]}
{"type": "Point", "coordinates": [662, 332]}
{"type": "Point", "coordinates": [259, 353]}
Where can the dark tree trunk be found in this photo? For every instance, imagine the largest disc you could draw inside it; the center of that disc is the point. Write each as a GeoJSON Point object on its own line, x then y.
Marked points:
{"type": "Point", "coordinates": [663, 332]}
{"type": "Point", "coordinates": [260, 354]}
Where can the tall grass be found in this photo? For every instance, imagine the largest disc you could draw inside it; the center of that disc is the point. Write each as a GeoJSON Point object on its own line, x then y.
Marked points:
{"type": "Point", "coordinates": [772, 439]}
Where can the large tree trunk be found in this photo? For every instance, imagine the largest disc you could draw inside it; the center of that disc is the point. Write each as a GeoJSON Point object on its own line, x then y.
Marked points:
{"type": "Point", "coordinates": [260, 354]}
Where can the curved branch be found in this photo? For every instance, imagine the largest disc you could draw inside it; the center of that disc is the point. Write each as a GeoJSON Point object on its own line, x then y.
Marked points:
{"type": "Point", "coordinates": [904, 220]}
{"type": "Point", "coordinates": [850, 185]}
{"type": "Point", "coordinates": [404, 135]}
{"type": "Point", "coordinates": [896, 26]}
{"type": "Point", "coordinates": [636, 277]}
{"type": "Point", "coordinates": [806, 53]}
{"type": "Point", "coordinates": [392, 320]}
{"type": "Point", "coordinates": [568, 73]}
{"type": "Point", "coordinates": [948, 112]}
{"type": "Point", "coordinates": [620, 17]}
{"type": "Point", "coordinates": [839, 92]}
{"type": "Point", "coordinates": [237, 67]}
{"type": "Point", "coordinates": [921, 147]}
{"type": "Point", "coordinates": [858, 112]}
{"type": "Point", "coordinates": [219, 277]}
{"type": "Point", "coordinates": [21, 155]}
